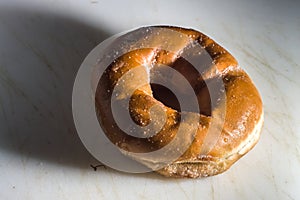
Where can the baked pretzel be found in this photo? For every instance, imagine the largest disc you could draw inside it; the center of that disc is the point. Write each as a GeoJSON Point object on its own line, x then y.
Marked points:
{"type": "Point", "coordinates": [208, 152]}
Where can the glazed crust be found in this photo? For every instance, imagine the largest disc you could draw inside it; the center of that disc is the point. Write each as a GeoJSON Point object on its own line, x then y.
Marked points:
{"type": "Point", "coordinates": [243, 107]}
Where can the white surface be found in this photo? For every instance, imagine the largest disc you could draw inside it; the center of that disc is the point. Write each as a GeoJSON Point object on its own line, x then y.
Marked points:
{"type": "Point", "coordinates": [42, 44]}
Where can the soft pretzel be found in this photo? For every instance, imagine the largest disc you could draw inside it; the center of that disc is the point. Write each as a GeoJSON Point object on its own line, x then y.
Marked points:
{"type": "Point", "coordinates": [205, 156]}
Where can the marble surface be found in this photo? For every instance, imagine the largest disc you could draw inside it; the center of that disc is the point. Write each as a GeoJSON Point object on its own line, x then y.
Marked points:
{"type": "Point", "coordinates": [42, 44]}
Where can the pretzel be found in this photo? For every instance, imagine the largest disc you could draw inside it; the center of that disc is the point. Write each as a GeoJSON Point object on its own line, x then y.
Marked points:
{"type": "Point", "coordinates": [214, 135]}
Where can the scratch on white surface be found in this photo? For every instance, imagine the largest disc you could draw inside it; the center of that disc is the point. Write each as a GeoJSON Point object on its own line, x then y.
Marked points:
{"type": "Point", "coordinates": [4, 115]}
{"type": "Point", "coordinates": [277, 119]}
{"type": "Point", "coordinates": [280, 51]}
{"type": "Point", "coordinates": [7, 81]}
{"type": "Point", "coordinates": [142, 194]}
{"type": "Point", "coordinates": [181, 188]}
{"type": "Point", "coordinates": [114, 186]}
{"type": "Point", "coordinates": [61, 191]}
{"type": "Point", "coordinates": [99, 190]}
{"type": "Point", "coordinates": [270, 172]}
{"type": "Point", "coordinates": [288, 195]}
{"type": "Point", "coordinates": [37, 52]}
{"type": "Point", "coordinates": [260, 63]}
{"type": "Point", "coordinates": [212, 191]}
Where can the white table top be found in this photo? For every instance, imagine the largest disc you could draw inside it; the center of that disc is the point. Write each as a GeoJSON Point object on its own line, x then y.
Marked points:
{"type": "Point", "coordinates": [42, 44]}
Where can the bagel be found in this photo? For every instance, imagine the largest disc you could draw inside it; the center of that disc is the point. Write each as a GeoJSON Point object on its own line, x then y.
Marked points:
{"type": "Point", "coordinates": [215, 133]}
